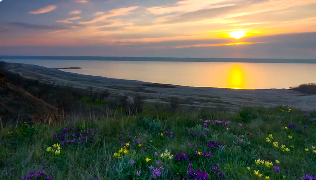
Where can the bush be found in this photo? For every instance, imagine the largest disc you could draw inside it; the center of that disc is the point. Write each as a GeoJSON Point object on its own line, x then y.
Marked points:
{"type": "Point", "coordinates": [306, 88]}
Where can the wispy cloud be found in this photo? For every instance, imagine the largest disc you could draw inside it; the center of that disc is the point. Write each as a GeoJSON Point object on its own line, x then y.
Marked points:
{"type": "Point", "coordinates": [214, 45]}
{"type": "Point", "coordinates": [68, 19]}
{"type": "Point", "coordinates": [75, 12]}
{"type": "Point", "coordinates": [81, 1]}
{"type": "Point", "coordinates": [37, 26]}
{"type": "Point", "coordinates": [98, 13]}
{"type": "Point", "coordinates": [112, 13]}
{"type": "Point", "coordinates": [44, 9]}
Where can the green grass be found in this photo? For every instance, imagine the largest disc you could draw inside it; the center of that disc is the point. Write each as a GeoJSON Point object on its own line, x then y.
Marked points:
{"type": "Point", "coordinates": [23, 149]}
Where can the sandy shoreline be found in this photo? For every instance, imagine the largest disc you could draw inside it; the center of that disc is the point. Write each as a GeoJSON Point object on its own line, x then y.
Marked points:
{"type": "Point", "coordinates": [193, 96]}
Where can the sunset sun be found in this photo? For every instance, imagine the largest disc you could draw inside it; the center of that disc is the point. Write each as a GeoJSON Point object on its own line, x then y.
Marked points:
{"type": "Point", "coordinates": [237, 34]}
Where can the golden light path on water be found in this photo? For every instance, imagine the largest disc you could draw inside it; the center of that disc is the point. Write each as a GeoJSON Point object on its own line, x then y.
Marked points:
{"type": "Point", "coordinates": [236, 78]}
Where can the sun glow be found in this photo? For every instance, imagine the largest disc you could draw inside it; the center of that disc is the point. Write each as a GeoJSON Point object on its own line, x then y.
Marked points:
{"type": "Point", "coordinates": [237, 34]}
{"type": "Point", "coordinates": [236, 78]}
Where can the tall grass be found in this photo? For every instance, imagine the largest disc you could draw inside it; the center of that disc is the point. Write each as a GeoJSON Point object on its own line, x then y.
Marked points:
{"type": "Point", "coordinates": [23, 148]}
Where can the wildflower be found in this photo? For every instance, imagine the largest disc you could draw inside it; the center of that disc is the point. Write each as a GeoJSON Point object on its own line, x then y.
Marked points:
{"type": "Point", "coordinates": [240, 125]}
{"type": "Point", "coordinates": [285, 127]}
{"type": "Point", "coordinates": [287, 149]}
{"type": "Point", "coordinates": [147, 159]}
{"type": "Point", "coordinates": [257, 161]}
{"type": "Point", "coordinates": [49, 149]}
{"type": "Point", "coordinates": [161, 134]}
{"type": "Point", "coordinates": [267, 177]}
{"type": "Point", "coordinates": [57, 152]}
{"type": "Point", "coordinates": [277, 169]}
{"type": "Point", "coordinates": [292, 146]}
{"type": "Point", "coordinates": [139, 145]}
{"type": "Point", "coordinates": [125, 151]}
{"type": "Point", "coordinates": [155, 154]}
{"type": "Point", "coordinates": [248, 168]}
{"type": "Point", "coordinates": [190, 164]}
{"type": "Point", "coordinates": [268, 140]}
{"type": "Point", "coordinates": [313, 147]}
{"type": "Point", "coordinates": [260, 175]}
{"type": "Point", "coordinates": [123, 143]}
{"type": "Point", "coordinates": [306, 149]}
{"type": "Point", "coordinates": [138, 173]}
{"type": "Point", "coordinates": [220, 175]}
{"type": "Point", "coordinates": [314, 151]}
{"type": "Point", "coordinates": [256, 172]}
{"type": "Point", "coordinates": [158, 163]}
{"type": "Point", "coordinates": [132, 162]}
{"type": "Point", "coordinates": [289, 136]}
{"type": "Point", "coordinates": [275, 144]}
{"type": "Point", "coordinates": [190, 171]}
{"type": "Point", "coordinates": [216, 168]}
{"type": "Point", "coordinates": [277, 161]}
{"type": "Point", "coordinates": [271, 136]}
{"type": "Point", "coordinates": [156, 173]}
{"type": "Point", "coordinates": [151, 167]}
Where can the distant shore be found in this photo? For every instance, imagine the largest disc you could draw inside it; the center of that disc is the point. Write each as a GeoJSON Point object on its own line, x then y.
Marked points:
{"type": "Point", "coordinates": [160, 93]}
{"type": "Point", "coordinates": [165, 59]}
{"type": "Point", "coordinates": [68, 68]}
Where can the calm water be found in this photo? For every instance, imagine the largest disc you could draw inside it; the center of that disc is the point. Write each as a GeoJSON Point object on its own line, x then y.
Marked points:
{"type": "Point", "coordinates": [199, 74]}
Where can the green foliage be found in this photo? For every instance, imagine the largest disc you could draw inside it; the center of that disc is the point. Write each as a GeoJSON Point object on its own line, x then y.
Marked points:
{"type": "Point", "coordinates": [23, 149]}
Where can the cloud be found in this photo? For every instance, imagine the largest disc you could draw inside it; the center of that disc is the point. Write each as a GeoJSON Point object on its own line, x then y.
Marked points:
{"type": "Point", "coordinates": [189, 6]}
{"type": "Point", "coordinates": [68, 19]}
{"type": "Point", "coordinates": [112, 13]}
{"type": "Point", "coordinates": [44, 9]}
{"type": "Point", "coordinates": [37, 26]}
{"type": "Point", "coordinates": [81, 1]}
{"type": "Point", "coordinates": [75, 12]}
{"type": "Point", "coordinates": [98, 13]}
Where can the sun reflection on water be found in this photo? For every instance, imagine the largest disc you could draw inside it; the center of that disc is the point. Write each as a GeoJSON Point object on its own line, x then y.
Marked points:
{"type": "Point", "coordinates": [236, 78]}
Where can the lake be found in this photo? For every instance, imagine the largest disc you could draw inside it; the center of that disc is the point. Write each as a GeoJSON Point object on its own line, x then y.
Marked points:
{"type": "Point", "coordinates": [198, 74]}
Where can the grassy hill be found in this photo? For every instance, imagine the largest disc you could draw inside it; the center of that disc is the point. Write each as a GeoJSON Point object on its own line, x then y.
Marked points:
{"type": "Point", "coordinates": [276, 143]}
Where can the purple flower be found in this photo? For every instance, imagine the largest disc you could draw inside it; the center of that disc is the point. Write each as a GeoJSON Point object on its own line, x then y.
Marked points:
{"type": "Point", "coordinates": [190, 171]}
{"type": "Point", "coordinates": [218, 122]}
{"type": "Point", "coordinates": [240, 125]}
{"type": "Point", "coordinates": [119, 136]}
{"type": "Point", "coordinates": [190, 164]}
{"type": "Point", "coordinates": [31, 175]}
{"type": "Point", "coordinates": [156, 173]}
{"type": "Point", "coordinates": [189, 144]}
{"type": "Point", "coordinates": [305, 126]}
{"type": "Point", "coordinates": [171, 136]}
{"type": "Point", "coordinates": [205, 124]}
{"type": "Point", "coordinates": [308, 177]}
{"type": "Point", "coordinates": [137, 142]}
{"type": "Point", "coordinates": [48, 177]}
{"type": "Point", "coordinates": [138, 173]}
{"type": "Point", "coordinates": [155, 154]}
{"type": "Point", "coordinates": [151, 167]}
{"type": "Point", "coordinates": [132, 162]}
{"type": "Point", "coordinates": [220, 175]}
{"type": "Point", "coordinates": [123, 143]}
{"type": "Point", "coordinates": [39, 174]}
{"type": "Point", "coordinates": [196, 133]}
{"type": "Point", "coordinates": [209, 154]}
{"type": "Point", "coordinates": [158, 163]}
{"type": "Point", "coordinates": [277, 169]}
{"type": "Point", "coordinates": [227, 122]}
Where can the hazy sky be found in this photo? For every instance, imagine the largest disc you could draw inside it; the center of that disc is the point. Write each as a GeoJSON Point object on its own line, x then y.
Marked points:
{"type": "Point", "coordinates": [172, 28]}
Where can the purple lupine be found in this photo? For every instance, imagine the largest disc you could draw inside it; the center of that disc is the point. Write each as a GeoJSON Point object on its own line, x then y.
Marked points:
{"type": "Point", "coordinates": [156, 173]}
{"type": "Point", "coordinates": [277, 169]}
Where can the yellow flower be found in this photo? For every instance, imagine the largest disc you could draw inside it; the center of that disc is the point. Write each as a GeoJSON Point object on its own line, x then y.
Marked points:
{"type": "Point", "coordinates": [257, 161]}
{"type": "Point", "coordinates": [116, 154]}
{"type": "Point", "coordinates": [277, 161]}
{"type": "Point", "coordinates": [147, 159]}
{"type": "Point", "coordinates": [275, 144]}
{"type": "Point", "coordinates": [287, 149]}
{"type": "Point", "coordinates": [292, 146]}
{"type": "Point", "coordinates": [57, 152]}
{"type": "Point", "coordinates": [127, 144]}
{"type": "Point", "coordinates": [285, 127]}
{"type": "Point", "coordinates": [268, 140]}
{"type": "Point", "coordinates": [262, 161]}
{"type": "Point", "coordinates": [289, 136]}
{"type": "Point", "coordinates": [121, 150]}
{"type": "Point", "coordinates": [256, 172]}
{"type": "Point", "coordinates": [139, 145]}
{"type": "Point", "coordinates": [49, 149]}
{"type": "Point", "coordinates": [161, 134]}
{"type": "Point", "coordinates": [282, 146]}
{"type": "Point", "coordinates": [270, 136]}
{"type": "Point", "coordinates": [313, 147]}
{"type": "Point", "coordinates": [200, 153]}
{"type": "Point", "coordinates": [248, 168]}
{"type": "Point", "coordinates": [314, 151]}
{"type": "Point", "coordinates": [268, 164]}
{"type": "Point", "coordinates": [267, 177]}
{"type": "Point", "coordinates": [306, 149]}
{"type": "Point", "coordinates": [125, 151]}
{"type": "Point", "coordinates": [260, 175]}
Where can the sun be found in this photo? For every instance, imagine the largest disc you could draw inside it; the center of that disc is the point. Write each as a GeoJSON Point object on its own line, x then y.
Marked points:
{"type": "Point", "coordinates": [237, 34]}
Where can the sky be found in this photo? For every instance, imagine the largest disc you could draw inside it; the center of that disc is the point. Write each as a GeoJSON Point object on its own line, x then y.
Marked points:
{"type": "Point", "coordinates": [159, 28]}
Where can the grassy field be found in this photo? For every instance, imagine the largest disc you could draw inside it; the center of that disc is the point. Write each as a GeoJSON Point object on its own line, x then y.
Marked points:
{"type": "Point", "coordinates": [276, 143]}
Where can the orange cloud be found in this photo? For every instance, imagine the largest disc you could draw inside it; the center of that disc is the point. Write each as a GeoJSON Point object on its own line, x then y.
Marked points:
{"type": "Point", "coordinates": [75, 12]}
{"type": "Point", "coordinates": [112, 13]}
{"type": "Point", "coordinates": [81, 1]}
{"type": "Point", "coordinates": [98, 13]}
{"type": "Point", "coordinates": [68, 19]}
{"type": "Point", "coordinates": [202, 45]}
{"type": "Point", "coordinates": [44, 10]}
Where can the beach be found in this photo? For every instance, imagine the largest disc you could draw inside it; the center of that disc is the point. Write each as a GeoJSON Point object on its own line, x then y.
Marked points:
{"type": "Point", "coordinates": [230, 99]}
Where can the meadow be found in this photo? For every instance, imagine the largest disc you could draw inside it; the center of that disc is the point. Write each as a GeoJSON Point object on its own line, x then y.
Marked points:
{"type": "Point", "coordinates": [254, 143]}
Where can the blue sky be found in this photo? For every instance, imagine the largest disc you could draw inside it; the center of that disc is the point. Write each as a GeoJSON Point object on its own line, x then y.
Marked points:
{"type": "Point", "coordinates": [163, 28]}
